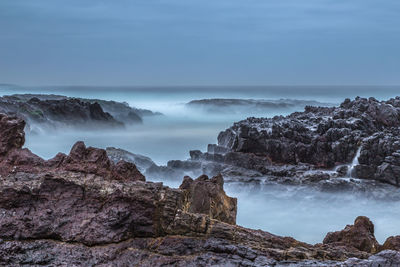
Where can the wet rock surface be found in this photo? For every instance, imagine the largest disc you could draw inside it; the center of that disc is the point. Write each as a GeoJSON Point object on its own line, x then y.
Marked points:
{"type": "Point", "coordinates": [352, 147]}
{"type": "Point", "coordinates": [82, 209]}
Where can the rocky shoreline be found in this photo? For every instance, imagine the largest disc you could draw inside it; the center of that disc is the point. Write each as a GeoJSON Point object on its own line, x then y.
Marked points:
{"type": "Point", "coordinates": [352, 147]}
{"type": "Point", "coordinates": [83, 209]}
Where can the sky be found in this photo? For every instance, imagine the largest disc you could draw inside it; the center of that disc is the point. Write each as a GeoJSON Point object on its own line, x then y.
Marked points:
{"type": "Point", "coordinates": [200, 42]}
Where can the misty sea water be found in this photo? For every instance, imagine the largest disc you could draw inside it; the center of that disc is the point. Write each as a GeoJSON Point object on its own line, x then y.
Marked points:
{"type": "Point", "coordinates": [307, 217]}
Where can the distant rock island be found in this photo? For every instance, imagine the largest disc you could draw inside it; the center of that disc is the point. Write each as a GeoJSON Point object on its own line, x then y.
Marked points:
{"type": "Point", "coordinates": [236, 106]}
{"type": "Point", "coordinates": [52, 111]}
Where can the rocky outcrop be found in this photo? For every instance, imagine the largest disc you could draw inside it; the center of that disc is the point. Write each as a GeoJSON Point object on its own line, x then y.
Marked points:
{"type": "Point", "coordinates": [319, 136]}
{"type": "Point", "coordinates": [360, 236]}
{"type": "Point", "coordinates": [207, 196]}
{"type": "Point", "coordinates": [53, 113]}
{"type": "Point", "coordinates": [121, 111]}
{"type": "Point", "coordinates": [318, 148]}
{"type": "Point", "coordinates": [392, 243]}
{"type": "Point", "coordinates": [13, 136]}
{"type": "Point", "coordinates": [141, 162]}
{"type": "Point", "coordinates": [82, 209]}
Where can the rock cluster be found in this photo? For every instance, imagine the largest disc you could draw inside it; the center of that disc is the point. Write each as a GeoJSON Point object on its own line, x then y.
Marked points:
{"type": "Point", "coordinates": [82, 209]}
{"type": "Point", "coordinates": [317, 147]}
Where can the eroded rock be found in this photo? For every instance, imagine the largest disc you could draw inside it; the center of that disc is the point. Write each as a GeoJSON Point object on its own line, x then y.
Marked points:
{"type": "Point", "coordinates": [360, 236]}
{"type": "Point", "coordinates": [82, 209]}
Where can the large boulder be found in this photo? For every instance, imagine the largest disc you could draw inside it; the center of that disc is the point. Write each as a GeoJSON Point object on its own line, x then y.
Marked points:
{"type": "Point", "coordinates": [360, 236]}
{"type": "Point", "coordinates": [207, 196]}
{"type": "Point", "coordinates": [13, 136]}
{"type": "Point", "coordinates": [392, 243]}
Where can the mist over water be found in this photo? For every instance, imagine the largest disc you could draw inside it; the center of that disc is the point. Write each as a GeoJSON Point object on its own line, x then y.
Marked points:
{"type": "Point", "coordinates": [306, 215]}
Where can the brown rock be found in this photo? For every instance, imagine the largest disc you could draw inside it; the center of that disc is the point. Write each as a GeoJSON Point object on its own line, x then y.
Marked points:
{"type": "Point", "coordinates": [107, 215]}
{"type": "Point", "coordinates": [392, 243]}
{"type": "Point", "coordinates": [13, 136]}
{"type": "Point", "coordinates": [207, 196]}
{"type": "Point", "coordinates": [360, 236]}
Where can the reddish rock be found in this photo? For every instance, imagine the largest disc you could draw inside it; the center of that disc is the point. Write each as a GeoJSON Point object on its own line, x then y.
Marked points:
{"type": "Point", "coordinates": [12, 133]}
{"type": "Point", "coordinates": [81, 159]}
{"type": "Point", "coordinates": [360, 236]}
{"type": "Point", "coordinates": [82, 210]}
{"type": "Point", "coordinates": [392, 243]}
{"type": "Point", "coordinates": [207, 196]}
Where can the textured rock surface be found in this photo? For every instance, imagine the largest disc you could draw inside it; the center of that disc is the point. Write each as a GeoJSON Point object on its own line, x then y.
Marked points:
{"type": "Point", "coordinates": [318, 148]}
{"type": "Point", "coordinates": [207, 196]}
{"type": "Point", "coordinates": [319, 136]}
{"type": "Point", "coordinates": [120, 111]}
{"type": "Point", "coordinates": [82, 209]}
{"type": "Point", "coordinates": [60, 112]}
{"type": "Point", "coordinates": [141, 162]}
{"type": "Point", "coordinates": [392, 243]}
{"type": "Point", "coordinates": [360, 236]}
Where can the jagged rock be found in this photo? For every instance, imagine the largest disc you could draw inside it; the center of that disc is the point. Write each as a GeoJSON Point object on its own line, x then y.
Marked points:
{"type": "Point", "coordinates": [392, 243]}
{"type": "Point", "coordinates": [360, 236]}
{"type": "Point", "coordinates": [117, 154]}
{"type": "Point", "coordinates": [311, 148]}
{"type": "Point", "coordinates": [82, 209]}
{"type": "Point", "coordinates": [13, 136]}
{"type": "Point", "coordinates": [58, 112]}
{"type": "Point", "coordinates": [319, 136]}
{"type": "Point", "coordinates": [207, 196]}
{"type": "Point", "coordinates": [122, 112]}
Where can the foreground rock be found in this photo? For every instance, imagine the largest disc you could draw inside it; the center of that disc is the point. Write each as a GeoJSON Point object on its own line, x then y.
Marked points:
{"type": "Point", "coordinates": [82, 209]}
{"type": "Point", "coordinates": [360, 236]}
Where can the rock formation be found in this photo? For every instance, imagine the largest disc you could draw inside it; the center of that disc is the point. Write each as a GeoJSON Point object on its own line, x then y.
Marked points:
{"type": "Point", "coordinates": [314, 148]}
{"type": "Point", "coordinates": [256, 106]}
{"type": "Point", "coordinates": [82, 209]}
{"type": "Point", "coordinates": [51, 111]}
{"type": "Point", "coordinates": [360, 236]}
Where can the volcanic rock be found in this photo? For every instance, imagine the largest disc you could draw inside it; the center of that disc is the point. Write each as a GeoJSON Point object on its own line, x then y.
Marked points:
{"type": "Point", "coordinates": [207, 196]}
{"type": "Point", "coordinates": [360, 236]}
{"type": "Point", "coordinates": [82, 209]}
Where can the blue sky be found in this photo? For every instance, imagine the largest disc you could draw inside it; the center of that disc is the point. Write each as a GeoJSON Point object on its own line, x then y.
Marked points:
{"type": "Point", "coordinates": [200, 42]}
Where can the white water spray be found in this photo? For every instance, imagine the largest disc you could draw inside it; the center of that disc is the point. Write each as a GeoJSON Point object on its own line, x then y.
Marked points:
{"type": "Point", "coordinates": [353, 164]}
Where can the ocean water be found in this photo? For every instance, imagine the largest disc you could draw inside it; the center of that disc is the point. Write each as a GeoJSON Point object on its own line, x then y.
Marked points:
{"type": "Point", "coordinates": [307, 216]}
